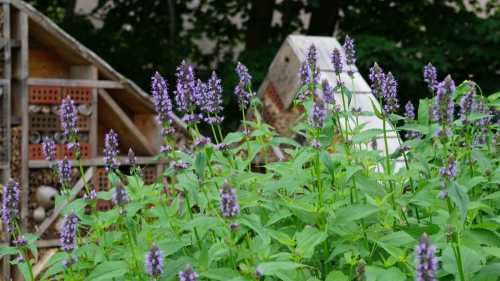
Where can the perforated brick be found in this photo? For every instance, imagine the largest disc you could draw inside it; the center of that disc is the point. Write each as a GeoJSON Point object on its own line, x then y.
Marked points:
{"type": "Point", "coordinates": [44, 95]}
{"type": "Point", "coordinates": [35, 152]}
{"type": "Point", "coordinates": [63, 151]}
{"type": "Point", "coordinates": [78, 94]}
{"type": "Point", "coordinates": [149, 174]}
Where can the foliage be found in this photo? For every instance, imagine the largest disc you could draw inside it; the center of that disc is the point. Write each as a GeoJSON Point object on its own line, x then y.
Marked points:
{"type": "Point", "coordinates": [332, 209]}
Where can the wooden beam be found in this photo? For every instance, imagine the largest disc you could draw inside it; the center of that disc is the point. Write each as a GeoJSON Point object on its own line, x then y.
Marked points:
{"type": "Point", "coordinates": [102, 84]}
{"type": "Point", "coordinates": [73, 193]}
{"type": "Point", "coordinates": [42, 263]}
{"type": "Point", "coordinates": [128, 128]}
{"type": "Point", "coordinates": [98, 161]}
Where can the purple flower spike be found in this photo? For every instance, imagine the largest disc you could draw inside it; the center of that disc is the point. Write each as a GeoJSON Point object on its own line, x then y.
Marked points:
{"type": "Point", "coordinates": [188, 274]}
{"type": "Point", "coordinates": [242, 90]}
{"type": "Point", "coordinates": [450, 170]}
{"type": "Point", "coordinates": [111, 150]}
{"type": "Point", "coordinates": [154, 262]}
{"type": "Point", "coordinates": [64, 169]}
{"type": "Point", "coordinates": [120, 195]}
{"type": "Point", "coordinates": [161, 100]}
{"type": "Point", "coordinates": [309, 74]}
{"type": "Point", "coordinates": [10, 205]}
{"type": "Point", "coordinates": [350, 51]}
{"type": "Point", "coordinates": [49, 149]}
{"type": "Point", "coordinates": [444, 107]}
{"type": "Point", "coordinates": [391, 103]}
{"type": "Point", "coordinates": [229, 205]}
{"type": "Point", "coordinates": [68, 231]}
{"type": "Point", "coordinates": [185, 92]}
{"type": "Point", "coordinates": [466, 103]}
{"type": "Point", "coordinates": [430, 77]}
{"type": "Point", "coordinates": [328, 92]}
{"type": "Point", "coordinates": [211, 102]}
{"type": "Point", "coordinates": [378, 80]}
{"type": "Point", "coordinates": [426, 261]}
{"type": "Point", "coordinates": [336, 60]}
{"type": "Point", "coordinates": [69, 117]}
{"type": "Point", "coordinates": [409, 110]}
{"type": "Point", "coordinates": [259, 272]}
{"type": "Point", "coordinates": [318, 115]}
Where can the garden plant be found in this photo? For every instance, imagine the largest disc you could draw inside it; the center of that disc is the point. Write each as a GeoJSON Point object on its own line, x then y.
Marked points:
{"type": "Point", "coordinates": [334, 205]}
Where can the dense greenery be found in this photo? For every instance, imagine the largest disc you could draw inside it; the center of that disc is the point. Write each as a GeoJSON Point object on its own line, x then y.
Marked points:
{"type": "Point", "coordinates": [331, 209]}
{"type": "Point", "coordinates": [402, 34]}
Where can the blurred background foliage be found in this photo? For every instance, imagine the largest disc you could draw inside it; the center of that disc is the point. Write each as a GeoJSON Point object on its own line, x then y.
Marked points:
{"type": "Point", "coordinates": [137, 37]}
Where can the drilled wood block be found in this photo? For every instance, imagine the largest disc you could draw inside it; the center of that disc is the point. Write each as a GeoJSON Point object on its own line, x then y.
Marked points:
{"type": "Point", "coordinates": [78, 94]}
{"type": "Point", "coordinates": [44, 122]}
{"type": "Point", "coordinates": [44, 95]}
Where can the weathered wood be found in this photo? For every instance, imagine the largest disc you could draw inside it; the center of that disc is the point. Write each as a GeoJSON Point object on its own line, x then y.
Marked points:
{"type": "Point", "coordinates": [73, 193]}
{"type": "Point", "coordinates": [104, 84]}
{"type": "Point", "coordinates": [98, 161]}
{"type": "Point", "coordinates": [124, 126]}
{"type": "Point", "coordinates": [43, 261]}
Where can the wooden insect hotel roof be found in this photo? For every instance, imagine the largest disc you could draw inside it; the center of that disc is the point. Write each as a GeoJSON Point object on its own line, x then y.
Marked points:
{"type": "Point", "coordinates": [281, 84]}
{"type": "Point", "coordinates": [39, 65]}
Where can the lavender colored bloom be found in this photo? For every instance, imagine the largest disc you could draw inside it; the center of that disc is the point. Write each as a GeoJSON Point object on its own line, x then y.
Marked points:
{"type": "Point", "coordinates": [68, 115]}
{"type": "Point", "coordinates": [188, 274]}
{"type": "Point", "coordinates": [350, 51]}
{"type": "Point", "coordinates": [10, 205]}
{"type": "Point", "coordinates": [391, 103]}
{"type": "Point", "coordinates": [165, 148]}
{"type": "Point", "coordinates": [161, 99]}
{"type": "Point", "coordinates": [318, 115]}
{"type": "Point", "coordinates": [111, 150]}
{"type": "Point", "coordinates": [450, 170]}
{"type": "Point", "coordinates": [180, 165]}
{"type": "Point", "coordinates": [201, 141]}
{"type": "Point", "coordinates": [64, 169]}
{"type": "Point", "coordinates": [154, 262]}
{"type": "Point", "coordinates": [191, 118]}
{"type": "Point", "coordinates": [378, 80]}
{"type": "Point", "coordinates": [309, 74]}
{"type": "Point", "coordinates": [185, 92]}
{"type": "Point", "coordinates": [336, 60]}
{"type": "Point", "coordinates": [221, 147]}
{"type": "Point", "coordinates": [328, 92]}
{"type": "Point", "coordinates": [426, 260]}
{"type": "Point", "coordinates": [315, 144]}
{"type": "Point", "coordinates": [443, 194]}
{"type": "Point", "coordinates": [214, 119]}
{"type": "Point", "coordinates": [132, 160]}
{"type": "Point", "coordinates": [120, 195]}
{"type": "Point", "coordinates": [409, 111]}
{"type": "Point", "coordinates": [67, 263]}
{"type": "Point", "coordinates": [466, 105]}
{"type": "Point", "coordinates": [444, 107]}
{"type": "Point", "coordinates": [91, 195]}
{"type": "Point", "coordinates": [229, 205]}
{"type": "Point", "coordinates": [67, 233]}
{"type": "Point", "coordinates": [234, 226]}
{"type": "Point", "coordinates": [259, 272]}
{"type": "Point", "coordinates": [20, 241]}
{"type": "Point", "coordinates": [479, 106]}
{"type": "Point", "coordinates": [242, 90]}
{"type": "Point", "coordinates": [212, 96]}
{"type": "Point", "coordinates": [49, 149]}
{"type": "Point", "coordinates": [430, 77]}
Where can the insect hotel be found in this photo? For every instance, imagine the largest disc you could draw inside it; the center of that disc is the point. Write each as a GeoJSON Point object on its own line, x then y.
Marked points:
{"type": "Point", "coordinates": [40, 65]}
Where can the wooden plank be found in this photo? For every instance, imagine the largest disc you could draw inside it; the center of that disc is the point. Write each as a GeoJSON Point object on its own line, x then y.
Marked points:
{"type": "Point", "coordinates": [44, 62]}
{"type": "Point", "coordinates": [98, 161]}
{"type": "Point", "coordinates": [103, 84]}
{"type": "Point", "coordinates": [124, 126]}
{"type": "Point", "coordinates": [42, 263]}
{"type": "Point", "coordinates": [74, 192]}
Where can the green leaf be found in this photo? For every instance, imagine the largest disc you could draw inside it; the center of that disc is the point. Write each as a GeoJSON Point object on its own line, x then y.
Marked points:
{"type": "Point", "coordinates": [376, 110]}
{"type": "Point", "coordinates": [233, 137]}
{"type": "Point", "coordinates": [108, 270]}
{"type": "Point", "coordinates": [200, 164]}
{"type": "Point", "coordinates": [274, 267]}
{"type": "Point", "coordinates": [308, 239]}
{"type": "Point", "coordinates": [25, 271]}
{"type": "Point", "coordinates": [367, 135]}
{"type": "Point", "coordinates": [459, 196]}
{"type": "Point", "coordinates": [471, 261]}
{"type": "Point", "coordinates": [253, 222]}
{"type": "Point", "coordinates": [7, 251]}
{"type": "Point", "coordinates": [354, 212]}
{"type": "Point", "coordinates": [221, 274]}
{"type": "Point", "coordinates": [423, 112]}
{"type": "Point", "coordinates": [336, 276]}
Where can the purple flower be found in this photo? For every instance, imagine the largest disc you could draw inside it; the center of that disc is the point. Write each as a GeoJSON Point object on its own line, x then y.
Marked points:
{"type": "Point", "coordinates": [426, 261]}
{"type": "Point", "coordinates": [120, 195]}
{"type": "Point", "coordinates": [315, 144]}
{"type": "Point", "coordinates": [49, 149]}
{"type": "Point", "coordinates": [430, 77]}
{"type": "Point", "coordinates": [111, 150]}
{"type": "Point", "coordinates": [450, 170]}
{"type": "Point", "coordinates": [466, 105]}
{"type": "Point", "coordinates": [161, 99]}
{"type": "Point", "coordinates": [185, 93]}
{"type": "Point", "coordinates": [165, 148]}
{"type": "Point", "coordinates": [201, 141]}
{"type": "Point", "coordinates": [378, 80]}
{"type": "Point", "coordinates": [188, 274]}
{"type": "Point", "coordinates": [234, 226]}
{"type": "Point", "coordinates": [64, 169]}
{"type": "Point", "coordinates": [479, 106]}
{"type": "Point", "coordinates": [68, 116]}
{"type": "Point", "coordinates": [69, 261]}
{"type": "Point", "coordinates": [409, 111]}
{"type": "Point", "coordinates": [20, 241]}
{"type": "Point", "coordinates": [67, 233]}
{"type": "Point", "coordinates": [211, 101]}
{"type": "Point", "coordinates": [309, 74]}
{"type": "Point", "coordinates": [229, 205]}
{"type": "Point", "coordinates": [242, 90]}
{"type": "Point", "coordinates": [391, 103]}
{"type": "Point", "coordinates": [10, 205]}
{"type": "Point", "coordinates": [191, 118]}
{"type": "Point", "coordinates": [91, 195]}
{"type": "Point", "coordinates": [328, 92]}
{"type": "Point", "coordinates": [350, 51]}
{"type": "Point", "coordinates": [214, 119]}
{"type": "Point", "coordinates": [221, 147]}
{"type": "Point", "coordinates": [444, 107]}
{"type": "Point", "coordinates": [336, 60]}
{"type": "Point", "coordinates": [259, 272]}
{"type": "Point", "coordinates": [154, 262]}
{"type": "Point", "coordinates": [132, 160]}
{"type": "Point", "coordinates": [318, 115]}
{"type": "Point", "coordinates": [180, 165]}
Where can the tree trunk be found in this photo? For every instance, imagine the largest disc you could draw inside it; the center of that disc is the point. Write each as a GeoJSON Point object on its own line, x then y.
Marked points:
{"type": "Point", "coordinates": [259, 24]}
{"type": "Point", "coordinates": [324, 16]}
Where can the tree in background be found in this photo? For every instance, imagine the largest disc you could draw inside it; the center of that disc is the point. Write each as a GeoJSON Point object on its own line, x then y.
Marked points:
{"type": "Point", "coordinates": [138, 37]}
